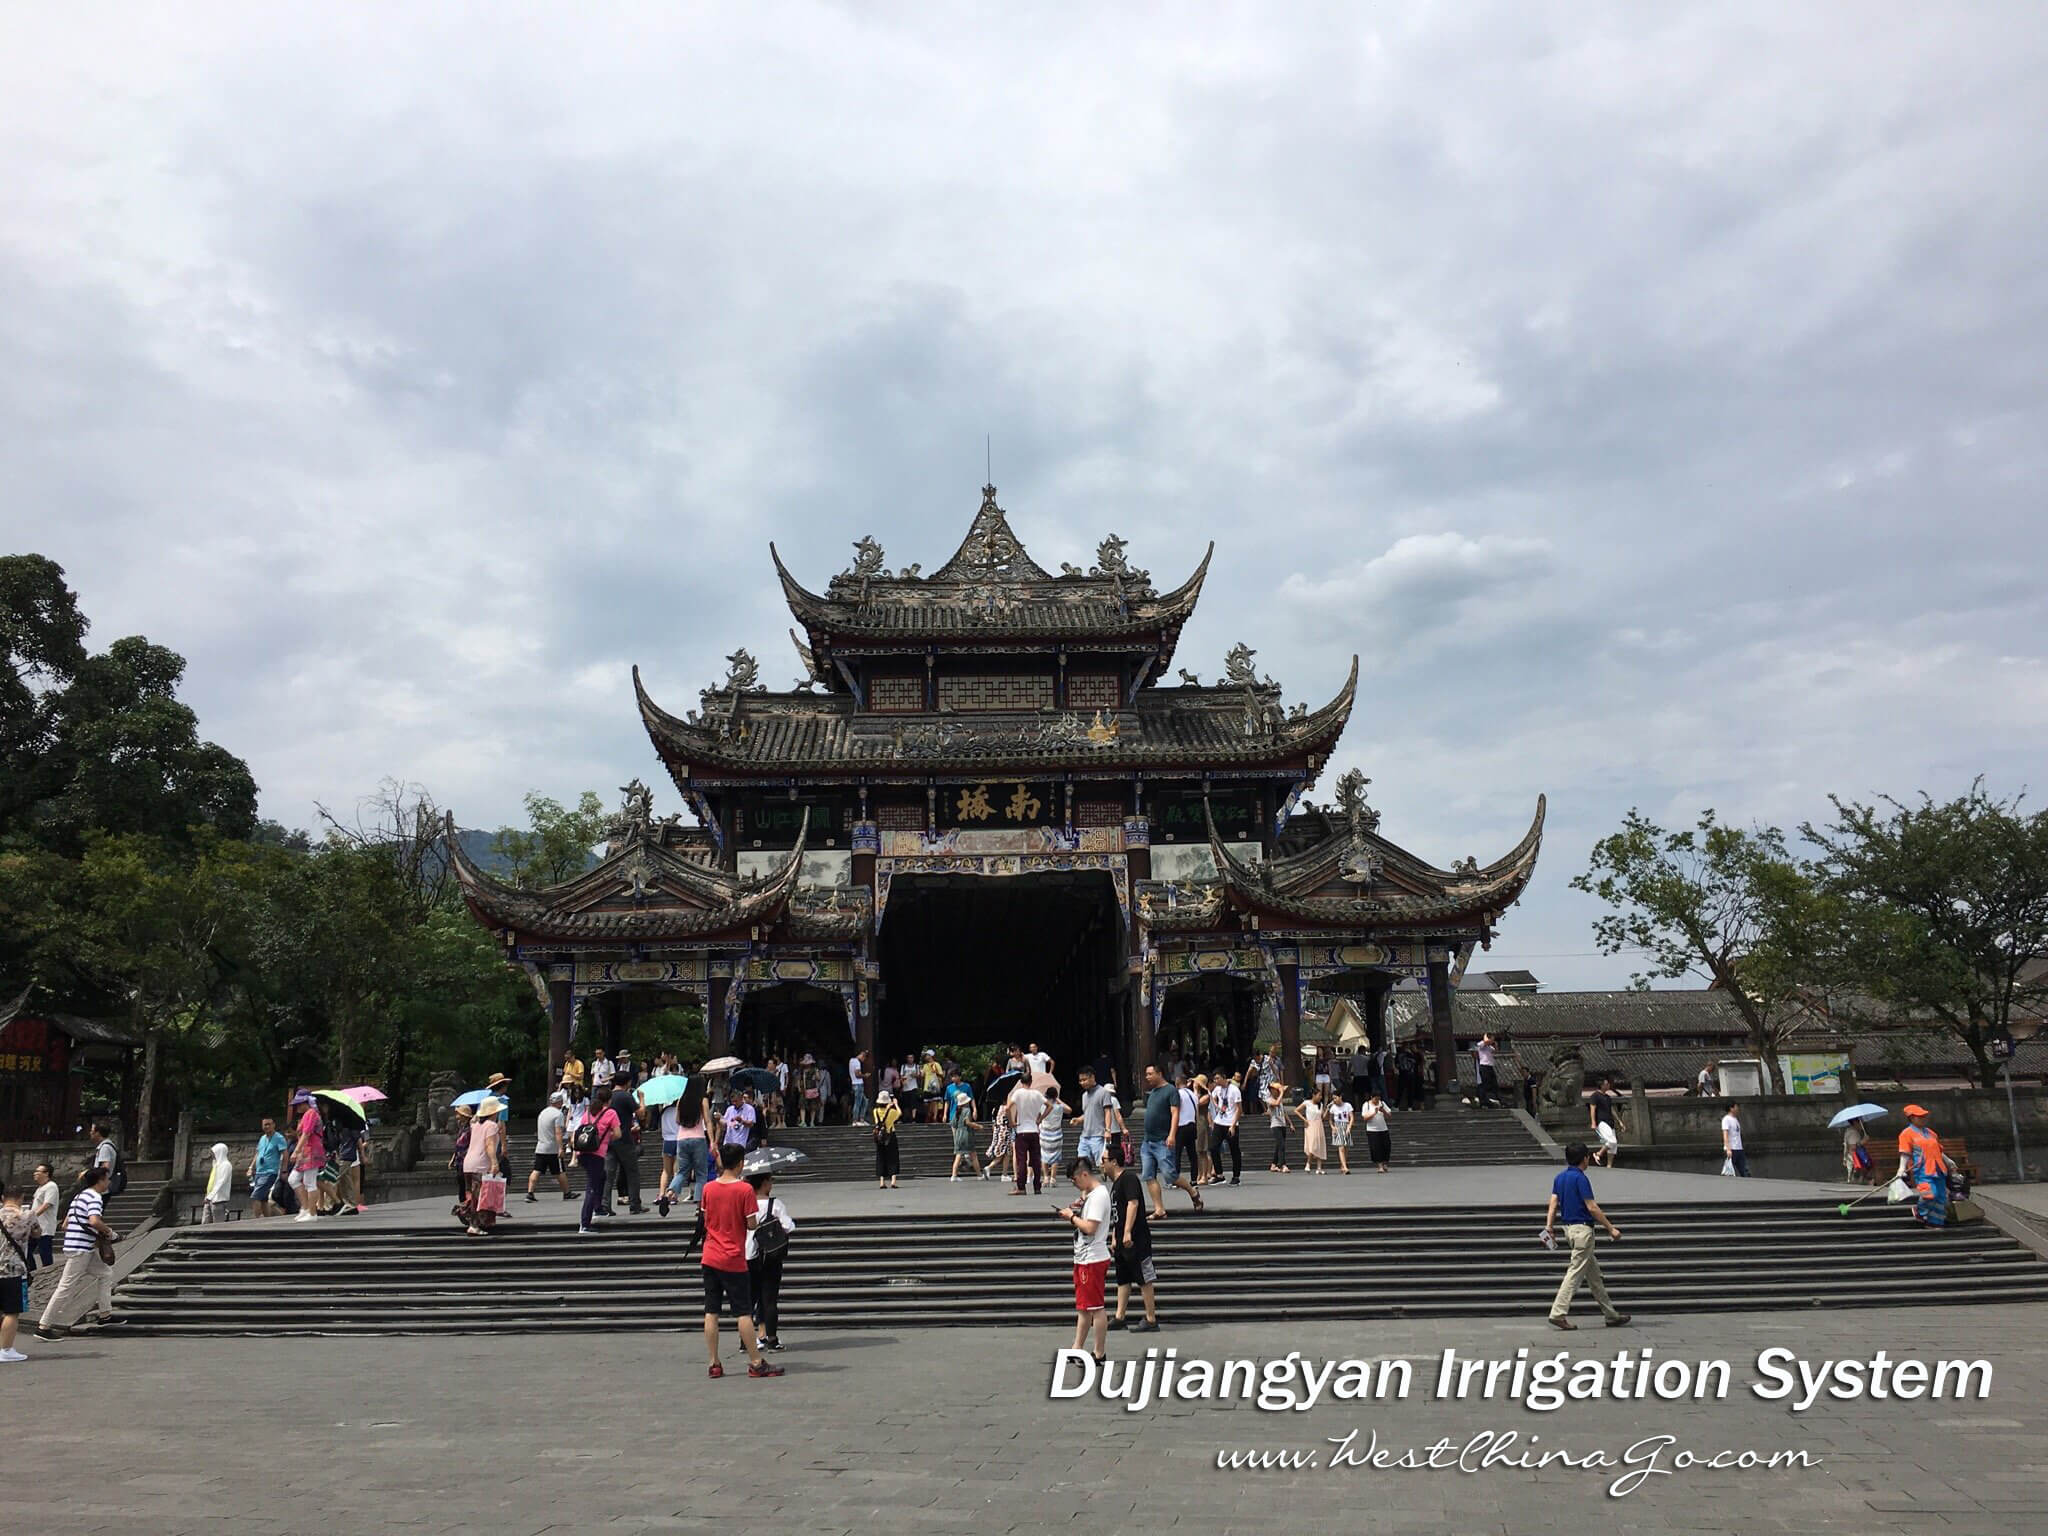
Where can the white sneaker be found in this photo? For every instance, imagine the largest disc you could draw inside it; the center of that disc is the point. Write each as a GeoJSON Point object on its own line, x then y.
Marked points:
{"type": "Point", "coordinates": [12, 1355]}
{"type": "Point", "coordinates": [304, 1216]}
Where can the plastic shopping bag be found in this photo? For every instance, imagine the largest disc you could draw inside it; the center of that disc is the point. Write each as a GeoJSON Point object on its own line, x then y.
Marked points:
{"type": "Point", "coordinates": [1728, 1167]}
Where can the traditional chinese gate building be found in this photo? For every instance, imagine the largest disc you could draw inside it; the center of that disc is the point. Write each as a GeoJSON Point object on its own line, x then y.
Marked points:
{"type": "Point", "coordinates": [987, 814]}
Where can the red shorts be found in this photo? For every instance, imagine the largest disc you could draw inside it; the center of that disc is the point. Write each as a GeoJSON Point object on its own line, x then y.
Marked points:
{"type": "Point", "coordinates": [1088, 1283]}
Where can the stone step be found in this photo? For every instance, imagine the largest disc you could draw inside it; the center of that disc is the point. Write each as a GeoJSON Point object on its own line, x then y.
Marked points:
{"type": "Point", "coordinates": [886, 1270]}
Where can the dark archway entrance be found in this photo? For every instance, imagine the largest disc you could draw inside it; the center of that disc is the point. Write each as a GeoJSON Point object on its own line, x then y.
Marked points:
{"type": "Point", "coordinates": [1212, 1021]}
{"type": "Point", "coordinates": [790, 1018]}
{"type": "Point", "coordinates": [977, 959]}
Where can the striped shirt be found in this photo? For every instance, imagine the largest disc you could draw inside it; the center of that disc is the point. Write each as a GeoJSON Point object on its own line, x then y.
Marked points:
{"type": "Point", "coordinates": [79, 1236]}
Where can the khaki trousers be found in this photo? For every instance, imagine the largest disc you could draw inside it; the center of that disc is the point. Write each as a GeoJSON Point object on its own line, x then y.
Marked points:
{"type": "Point", "coordinates": [80, 1271]}
{"type": "Point", "coordinates": [1579, 1237]}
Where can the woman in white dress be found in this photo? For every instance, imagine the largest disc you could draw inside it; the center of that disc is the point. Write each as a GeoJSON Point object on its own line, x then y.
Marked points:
{"type": "Point", "coordinates": [1052, 1129]}
{"type": "Point", "coordinates": [1314, 1144]}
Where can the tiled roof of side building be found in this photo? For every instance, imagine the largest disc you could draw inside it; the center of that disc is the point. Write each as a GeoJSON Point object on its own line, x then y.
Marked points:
{"type": "Point", "coordinates": [1584, 1015]}
{"type": "Point", "coordinates": [1357, 877]}
{"type": "Point", "coordinates": [640, 892]}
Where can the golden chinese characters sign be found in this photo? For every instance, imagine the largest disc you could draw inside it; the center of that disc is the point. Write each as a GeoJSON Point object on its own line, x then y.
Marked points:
{"type": "Point", "coordinates": [999, 803]}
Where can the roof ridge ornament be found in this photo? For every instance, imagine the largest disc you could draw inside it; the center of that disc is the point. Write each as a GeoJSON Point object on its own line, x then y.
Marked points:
{"type": "Point", "coordinates": [634, 820]}
{"type": "Point", "coordinates": [1359, 865]}
{"type": "Point", "coordinates": [990, 556]}
{"type": "Point", "coordinates": [867, 558]}
{"type": "Point", "coordinates": [1110, 562]}
{"type": "Point", "coordinates": [1238, 671]}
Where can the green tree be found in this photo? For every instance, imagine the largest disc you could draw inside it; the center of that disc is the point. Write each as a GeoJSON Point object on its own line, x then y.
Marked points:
{"type": "Point", "coordinates": [558, 845]}
{"type": "Point", "coordinates": [158, 930]}
{"type": "Point", "coordinates": [1944, 908]}
{"type": "Point", "coordinates": [42, 646]}
{"type": "Point", "coordinates": [93, 744]}
{"type": "Point", "coordinates": [1717, 902]}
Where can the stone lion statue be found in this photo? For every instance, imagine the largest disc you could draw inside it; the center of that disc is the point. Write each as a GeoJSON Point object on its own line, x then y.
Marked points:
{"type": "Point", "coordinates": [1564, 1081]}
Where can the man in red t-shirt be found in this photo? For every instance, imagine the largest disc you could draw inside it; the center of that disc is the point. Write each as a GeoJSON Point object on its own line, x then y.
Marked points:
{"type": "Point", "coordinates": [729, 1212]}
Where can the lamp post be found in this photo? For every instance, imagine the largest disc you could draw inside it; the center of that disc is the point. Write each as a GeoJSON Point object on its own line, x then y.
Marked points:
{"type": "Point", "coordinates": [2003, 1050]}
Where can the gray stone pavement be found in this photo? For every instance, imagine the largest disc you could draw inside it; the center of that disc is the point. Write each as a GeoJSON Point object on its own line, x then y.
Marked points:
{"type": "Point", "coordinates": [956, 1432]}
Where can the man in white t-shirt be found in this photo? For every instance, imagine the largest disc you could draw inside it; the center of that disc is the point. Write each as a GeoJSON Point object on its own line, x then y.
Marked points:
{"type": "Point", "coordinates": [602, 1070]}
{"type": "Point", "coordinates": [1090, 1219]}
{"type": "Point", "coordinates": [1226, 1108]}
{"type": "Point", "coordinates": [42, 1209]}
{"type": "Point", "coordinates": [1038, 1061]}
{"type": "Point", "coordinates": [1027, 1108]}
{"type": "Point", "coordinates": [856, 1080]}
{"type": "Point", "coordinates": [1187, 1145]}
{"type": "Point", "coordinates": [550, 1145]}
{"type": "Point", "coordinates": [1731, 1142]}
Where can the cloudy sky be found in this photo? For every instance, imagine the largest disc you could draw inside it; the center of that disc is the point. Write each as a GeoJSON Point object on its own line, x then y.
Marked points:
{"type": "Point", "coordinates": [1653, 396]}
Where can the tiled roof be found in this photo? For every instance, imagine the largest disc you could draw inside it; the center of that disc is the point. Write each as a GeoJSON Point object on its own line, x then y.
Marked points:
{"type": "Point", "coordinates": [1589, 1015]}
{"type": "Point", "coordinates": [641, 892]}
{"type": "Point", "coordinates": [767, 732]}
{"type": "Point", "coordinates": [989, 585]}
{"type": "Point", "coordinates": [1396, 886]}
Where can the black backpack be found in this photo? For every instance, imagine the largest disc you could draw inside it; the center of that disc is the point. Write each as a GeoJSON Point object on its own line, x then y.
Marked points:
{"type": "Point", "coordinates": [771, 1236]}
{"type": "Point", "coordinates": [117, 1177]}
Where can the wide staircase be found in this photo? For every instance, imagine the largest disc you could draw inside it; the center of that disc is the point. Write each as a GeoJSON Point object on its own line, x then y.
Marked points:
{"type": "Point", "coordinates": [129, 1209]}
{"type": "Point", "coordinates": [1453, 1136]}
{"type": "Point", "coordinates": [905, 1272]}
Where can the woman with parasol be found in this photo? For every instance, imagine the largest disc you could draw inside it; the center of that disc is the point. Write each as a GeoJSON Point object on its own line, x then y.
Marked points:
{"type": "Point", "coordinates": [483, 1183]}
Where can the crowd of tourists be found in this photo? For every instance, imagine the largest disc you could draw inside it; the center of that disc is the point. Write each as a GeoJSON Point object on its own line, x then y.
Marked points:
{"type": "Point", "coordinates": [1186, 1122]}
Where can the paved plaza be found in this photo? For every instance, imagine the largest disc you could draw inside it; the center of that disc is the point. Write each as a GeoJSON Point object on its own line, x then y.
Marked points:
{"type": "Point", "coordinates": [955, 1432]}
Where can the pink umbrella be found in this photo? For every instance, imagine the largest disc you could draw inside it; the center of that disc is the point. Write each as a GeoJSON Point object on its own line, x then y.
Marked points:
{"type": "Point", "coordinates": [364, 1094]}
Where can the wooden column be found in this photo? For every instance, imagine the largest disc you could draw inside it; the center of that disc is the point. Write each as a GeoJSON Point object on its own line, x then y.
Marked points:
{"type": "Point", "coordinates": [1440, 1024]}
{"type": "Point", "coordinates": [1290, 1025]}
{"type": "Point", "coordinates": [714, 1017]}
{"type": "Point", "coordinates": [561, 1023]}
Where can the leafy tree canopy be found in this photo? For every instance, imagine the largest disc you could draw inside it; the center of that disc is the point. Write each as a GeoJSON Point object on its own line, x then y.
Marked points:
{"type": "Point", "coordinates": [1726, 904]}
{"type": "Point", "coordinates": [1945, 908]}
{"type": "Point", "coordinates": [558, 846]}
{"type": "Point", "coordinates": [100, 744]}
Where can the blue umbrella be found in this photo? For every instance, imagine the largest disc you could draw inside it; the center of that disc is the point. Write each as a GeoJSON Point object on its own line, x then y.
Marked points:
{"type": "Point", "coordinates": [471, 1099]}
{"type": "Point", "coordinates": [757, 1079]}
{"type": "Point", "coordinates": [658, 1092]}
{"type": "Point", "coordinates": [1858, 1112]}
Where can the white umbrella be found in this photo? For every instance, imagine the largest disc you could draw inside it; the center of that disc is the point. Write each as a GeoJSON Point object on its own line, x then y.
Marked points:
{"type": "Point", "coordinates": [1858, 1112]}
{"type": "Point", "coordinates": [722, 1064]}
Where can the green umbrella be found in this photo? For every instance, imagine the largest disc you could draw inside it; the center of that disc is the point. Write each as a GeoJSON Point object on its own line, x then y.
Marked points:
{"type": "Point", "coordinates": [666, 1089]}
{"type": "Point", "coordinates": [336, 1096]}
